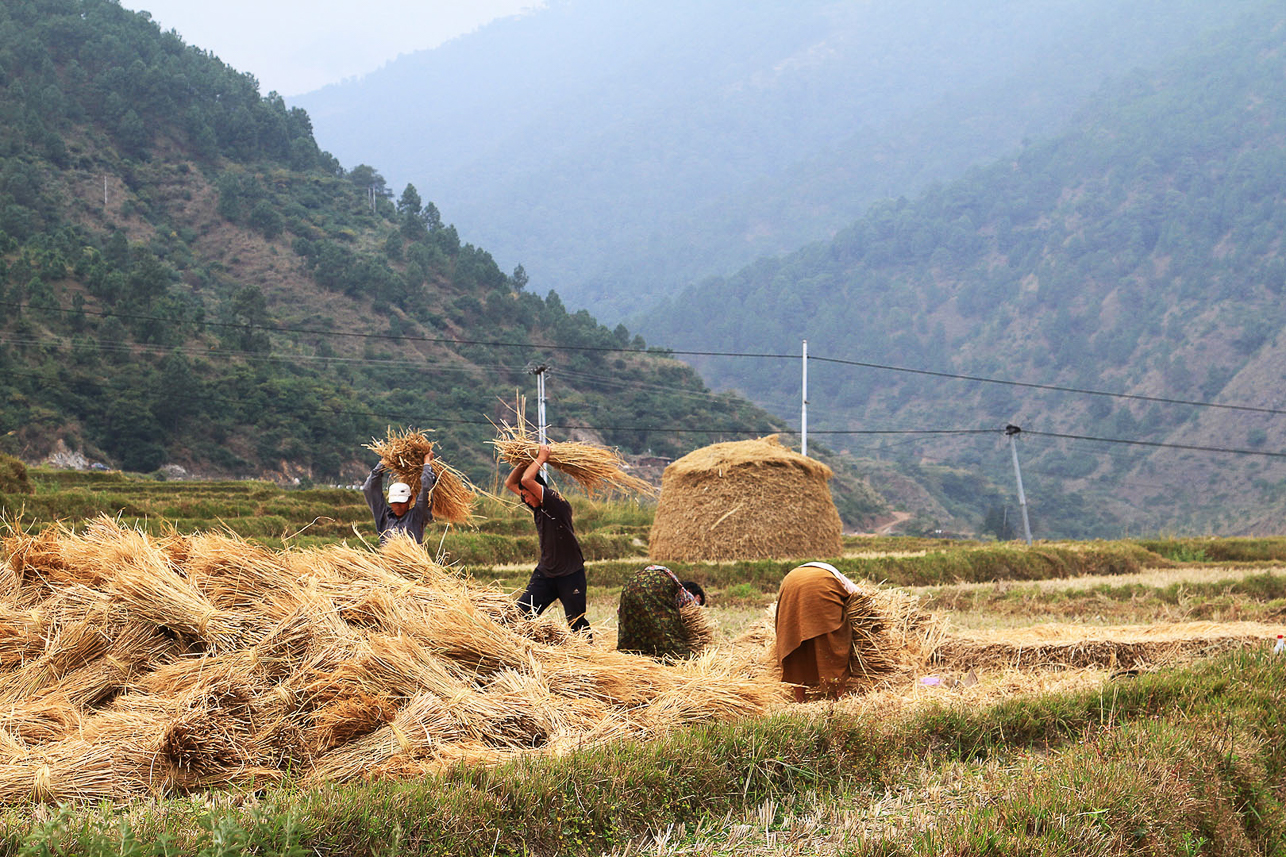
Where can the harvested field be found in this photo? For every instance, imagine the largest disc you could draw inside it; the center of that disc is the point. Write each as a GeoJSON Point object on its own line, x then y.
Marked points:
{"type": "Point", "coordinates": [135, 665]}
{"type": "Point", "coordinates": [1076, 646]}
{"type": "Point", "coordinates": [1155, 577]}
{"type": "Point", "coordinates": [138, 665]}
{"type": "Point", "coordinates": [908, 644]}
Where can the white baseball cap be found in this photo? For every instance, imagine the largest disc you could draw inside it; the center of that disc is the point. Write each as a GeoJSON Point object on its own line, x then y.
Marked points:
{"type": "Point", "coordinates": [399, 492]}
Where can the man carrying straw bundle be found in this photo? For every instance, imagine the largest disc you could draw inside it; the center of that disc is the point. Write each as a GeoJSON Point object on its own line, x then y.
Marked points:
{"type": "Point", "coordinates": [398, 515]}
{"type": "Point", "coordinates": [814, 638]}
{"type": "Point", "coordinates": [560, 572]}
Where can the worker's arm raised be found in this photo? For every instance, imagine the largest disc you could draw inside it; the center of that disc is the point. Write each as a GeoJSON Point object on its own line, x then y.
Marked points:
{"type": "Point", "coordinates": [529, 483]}
{"type": "Point", "coordinates": [515, 479]}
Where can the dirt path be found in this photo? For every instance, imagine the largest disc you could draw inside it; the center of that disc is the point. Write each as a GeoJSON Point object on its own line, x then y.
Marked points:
{"type": "Point", "coordinates": [1156, 577]}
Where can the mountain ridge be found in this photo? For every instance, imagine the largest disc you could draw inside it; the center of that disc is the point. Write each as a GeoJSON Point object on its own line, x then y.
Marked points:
{"type": "Point", "coordinates": [1138, 253]}
{"type": "Point", "coordinates": [189, 279]}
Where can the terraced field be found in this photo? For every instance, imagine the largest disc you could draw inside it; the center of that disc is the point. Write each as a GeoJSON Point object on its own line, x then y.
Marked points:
{"type": "Point", "coordinates": [1105, 698]}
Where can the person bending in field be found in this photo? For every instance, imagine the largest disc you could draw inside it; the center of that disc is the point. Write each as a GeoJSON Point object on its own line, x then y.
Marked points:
{"type": "Point", "coordinates": [560, 571]}
{"type": "Point", "coordinates": [654, 617]}
{"type": "Point", "coordinates": [398, 515]}
{"type": "Point", "coordinates": [814, 638]}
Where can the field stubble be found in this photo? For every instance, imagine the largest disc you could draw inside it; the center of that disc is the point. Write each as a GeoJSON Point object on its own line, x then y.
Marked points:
{"type": "Point", "coordinates": [1055, 757]}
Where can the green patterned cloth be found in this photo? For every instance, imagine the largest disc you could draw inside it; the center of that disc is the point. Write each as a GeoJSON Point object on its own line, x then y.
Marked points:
{"type": "Point", "coordinates": [648, 619]}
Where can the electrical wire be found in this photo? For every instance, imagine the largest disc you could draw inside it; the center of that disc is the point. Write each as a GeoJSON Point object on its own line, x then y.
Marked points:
{"type": "Point", "coordinates": [1159, 444]}
{"type": "Point", "coordinates": [664, 352]}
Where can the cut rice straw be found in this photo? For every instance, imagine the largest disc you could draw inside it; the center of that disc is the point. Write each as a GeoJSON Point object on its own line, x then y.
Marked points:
{"type": "Point", "coordinates": [333, 664]}
{"type": "Point", "coordinates": [596, 468]}
{"type": "Point", "coordinates": [402, 453]}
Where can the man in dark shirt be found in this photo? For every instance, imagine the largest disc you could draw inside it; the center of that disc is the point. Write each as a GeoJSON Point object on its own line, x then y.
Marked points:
{"type": "Point", "coordinates": [560, 573]}
{"type": "Point", "coordinates": [398, 515]}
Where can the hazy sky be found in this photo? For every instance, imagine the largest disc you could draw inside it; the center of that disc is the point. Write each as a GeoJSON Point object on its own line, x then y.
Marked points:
{"type": "Point", "coordinates": [294, 46]}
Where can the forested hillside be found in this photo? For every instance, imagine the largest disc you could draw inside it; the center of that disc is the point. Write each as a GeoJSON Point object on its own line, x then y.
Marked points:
{"type": "Point", "coordinates": [186, 278]}
{"type": "Point", "coordinates": [1140, 253]}
{"type": "Point", "coordinates": [622, 148]}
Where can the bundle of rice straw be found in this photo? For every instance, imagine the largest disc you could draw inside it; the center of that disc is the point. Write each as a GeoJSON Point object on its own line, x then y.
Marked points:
{"type": "Point", "coordinates": [403, 454]}
{"type": "Point", "coordinates": [892, 637]}
{"type": "Point", "coordinates": [328, 663]}
{"type": "Point", "coordinates": [745, 499]}
{"type": "Point", "coordinates": [698, 626]}
{"type": "Point", "coordinates": [596, 468]}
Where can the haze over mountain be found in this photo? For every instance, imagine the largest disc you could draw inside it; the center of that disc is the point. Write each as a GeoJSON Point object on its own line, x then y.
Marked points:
{"type": "Point", "coordinates": [187, 279]}
{"type": "Point", "coordinates": [1140, 252]}
{"type": "Point", "coordinates": [619, 150]}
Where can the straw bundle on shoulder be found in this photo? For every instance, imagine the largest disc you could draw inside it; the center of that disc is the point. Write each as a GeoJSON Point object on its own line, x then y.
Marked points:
{"type": "Point", "coordinates": [403, 455]}
{"type": "Point", "coordinates": [596, 468]}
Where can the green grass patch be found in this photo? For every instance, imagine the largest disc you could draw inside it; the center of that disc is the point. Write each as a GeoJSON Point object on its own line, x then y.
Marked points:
{"type": "Point", "coordinates": [1255, 597]}
{"type": "Point", "coordinates": [1270, 549]}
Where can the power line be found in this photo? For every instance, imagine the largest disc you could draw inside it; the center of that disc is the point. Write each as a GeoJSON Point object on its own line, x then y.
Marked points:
{"type": "Point", "coordinates": [663, 352]}
{"type": "Point", "coordinates": [909, 434]}
{"type": "Point", "coordinates": [1051, 387]}
{"type": "Point", "coordinates": [1159, 444]}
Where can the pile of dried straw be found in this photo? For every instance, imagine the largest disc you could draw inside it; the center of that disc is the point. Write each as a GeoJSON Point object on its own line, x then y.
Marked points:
{"type": "Point", "coordinates": [136, 665]}
{"type": "Point", "coordinates": [752, 499]}
{"type": "Point", "coordinates": [596, 468]}
{"type": "Point", "coordinates": [1079, 646]}
{"type": "Point", "coordinates": [403, 455]}
{"type": "Point", "coordinates": [698, 626]}
{"type": "Point", "coordinates": [893, 639]}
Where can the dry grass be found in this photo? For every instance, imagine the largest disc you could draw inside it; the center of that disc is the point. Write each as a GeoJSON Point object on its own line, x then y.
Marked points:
{"type": "Point", "coordinates": [698, 625]}
{"type": "Point", "coordinates": [751, 499]}
{"type": "Point", "coordinates": [334, 663]}
{"type": "Point", "coordinates": [597, 469]}
{"type": "Point", "coordinates": [340, 663]}
{"type": "Point", "coordinates": [1077, 646]}
{"type": "Point", "coordinates": [403, 454]}
{"type": "Point", "coordinates": [893, 639]}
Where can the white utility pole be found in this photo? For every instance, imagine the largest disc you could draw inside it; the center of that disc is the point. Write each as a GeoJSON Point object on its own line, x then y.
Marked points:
{"type": "Point", "coordinates": [539, 372]}
{"type": "Point", "coordinates": [1013, 431]}
{"type": "Point", "coordinates": [803, 413]}
{"type": "Point", "coordinates": [104, 191]}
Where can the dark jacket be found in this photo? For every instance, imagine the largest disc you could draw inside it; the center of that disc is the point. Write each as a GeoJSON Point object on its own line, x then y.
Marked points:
{"type": "Point", "coordinates": [416, 518]}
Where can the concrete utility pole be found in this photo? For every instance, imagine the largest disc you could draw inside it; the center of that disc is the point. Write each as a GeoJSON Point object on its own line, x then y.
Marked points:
{"type": "Point", "coordinates": [803, 415]}
{"type": "Point", "coordinates": [539, 372]}
{"type": "Point", "coordinates": [104, 191]}
{"type": "Point", "coordinates": [1012, 431]}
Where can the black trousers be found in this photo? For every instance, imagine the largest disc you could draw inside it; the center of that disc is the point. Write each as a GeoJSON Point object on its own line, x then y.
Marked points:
{"type": "Point", "coordinates": [569, 589]}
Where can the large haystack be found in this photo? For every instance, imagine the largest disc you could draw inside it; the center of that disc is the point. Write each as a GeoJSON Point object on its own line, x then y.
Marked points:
{"type": "Point", "coordinates": [134, 665]}
{"type": "Point", "coordinates": [750, 499]}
